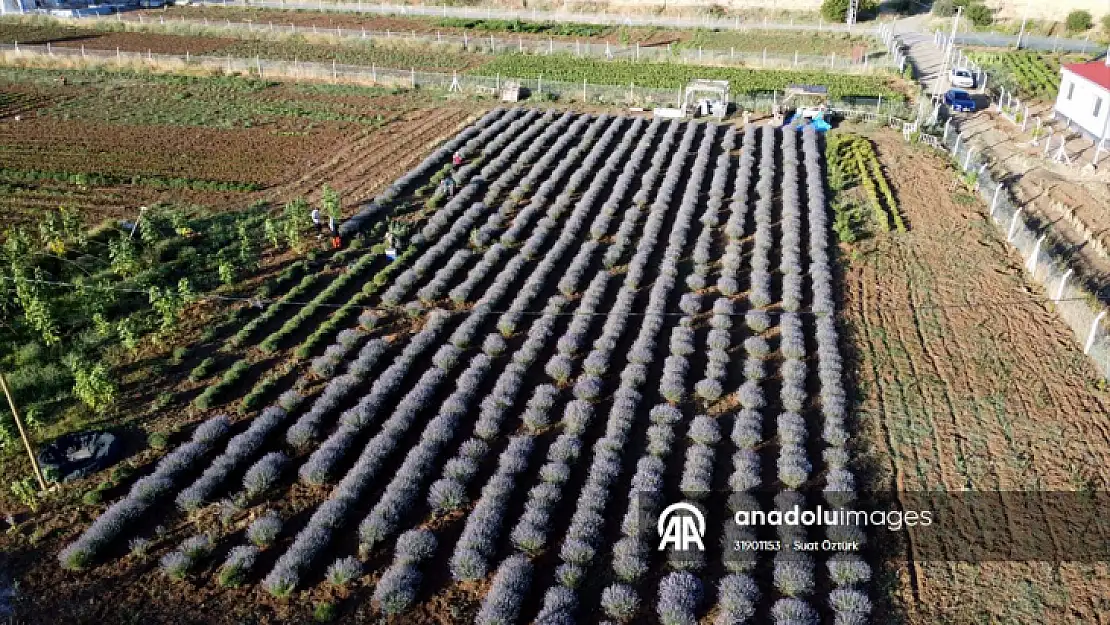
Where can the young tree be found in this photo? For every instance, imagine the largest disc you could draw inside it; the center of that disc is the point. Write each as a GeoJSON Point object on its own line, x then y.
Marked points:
{"type": "Point", "coordinates": [1079, 21]}
{"type": "Point", "coordinates": [980, 15]}
{"type": "Point", "coordinates": [330, 204]}
{"type": "Point", "coordinates": [837, 10]}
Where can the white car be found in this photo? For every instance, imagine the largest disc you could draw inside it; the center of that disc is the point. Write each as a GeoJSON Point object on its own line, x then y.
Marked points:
{"type": "Point", "coordinates": [962, 78]}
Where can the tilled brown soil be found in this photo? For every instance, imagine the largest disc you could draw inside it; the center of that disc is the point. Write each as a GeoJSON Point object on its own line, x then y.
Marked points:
{"type": "Point", "coordinates": [969, 382]}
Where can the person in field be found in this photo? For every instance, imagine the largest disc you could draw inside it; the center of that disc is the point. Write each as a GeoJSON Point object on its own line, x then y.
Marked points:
{"type": "Point", "coordinates": [457, 159]}
{"type": "Point", "coordinates": [316, 222]}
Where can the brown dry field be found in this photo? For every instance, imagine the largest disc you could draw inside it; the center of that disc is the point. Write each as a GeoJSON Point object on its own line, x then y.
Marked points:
{"type": "Point", "coordinates": [969, 381]}
{"type": "Point", "coordinates": [285, 157]}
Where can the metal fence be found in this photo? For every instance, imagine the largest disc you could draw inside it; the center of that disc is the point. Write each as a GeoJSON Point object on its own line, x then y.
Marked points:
{"type": "Point", "coordinates": [539, 88]}
{"type": "Point", "coordinates": [1047, 259]}
{"type": "Point", "coordinates": [491, 44]}
{"type": "Point", "coordinates": [607, 19]}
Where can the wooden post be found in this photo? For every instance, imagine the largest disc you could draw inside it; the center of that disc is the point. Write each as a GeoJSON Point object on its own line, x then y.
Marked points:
{"type": "Point", "coordinates": [23, 434]}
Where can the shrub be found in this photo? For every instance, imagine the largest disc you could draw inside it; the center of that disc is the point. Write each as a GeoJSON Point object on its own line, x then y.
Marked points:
{"type": "Point", "coordinates": [239, 562]}
{"type": "Point", "coordinates": [1079, 21]}
{"type": "Point", "coordinates": [176, 565]}
{"type": "Point", "coordinates": [793, 574]}
{"type": "Point", "coordinates": [848, 569]}
{"type": "Point", "coordinates": [506, 594]}
{"type": "Point", "coordinates": [944, 8]}
{"type": "Point", "coordinates": [264, 474]}
{"type": "Point", "coordinates": [791, 611]}
{"type": "Point", "coordinates": [263, 532]}
{"type": "Point", "coordinates": [620, 602]}
{"type": "Point", "coordinates": [679, 596]}
{"type": "Point", "coordinates": [344, 570]}
{"type": "Point", "coordinates": [849, 601]}
{"type": "Point", "coordinates": [397, 588]}
{"type": "Point", "coordinates": [737, 598]}
{"type": "Point", "coordinates": [980, 15]}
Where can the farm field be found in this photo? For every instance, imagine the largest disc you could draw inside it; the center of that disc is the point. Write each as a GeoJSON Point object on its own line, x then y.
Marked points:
{"type": "Point", "coordinates": [400, 55]}
{"type": "Point", "coordinates": [1027, 74]}
{"type": "Point", "coordinates": [775, 42]}
{"type": "Point", "coordinates": [105, 142]}
{"type": "Point", "coordinates": [528, 485]}
{"type": "Point", "coordinates": [966, 381]}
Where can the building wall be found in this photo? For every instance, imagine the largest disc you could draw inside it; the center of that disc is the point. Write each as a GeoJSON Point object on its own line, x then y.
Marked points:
{"type": "Point", "coordinates": [1080, 108]}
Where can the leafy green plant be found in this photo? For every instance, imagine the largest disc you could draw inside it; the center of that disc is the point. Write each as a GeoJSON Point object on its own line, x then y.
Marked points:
{"type": "Point", "coordinates": [202, 370]}
{"type": "Point", "coordinates": [26, 492]}
{"type": "Point", "coordinates": [1079, 21]}
{"type": "Point", "coordinates": [93, 385]}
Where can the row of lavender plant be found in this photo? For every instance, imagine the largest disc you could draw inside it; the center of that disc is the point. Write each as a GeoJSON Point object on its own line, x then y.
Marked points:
{"type": "Point", "coordinates": [847, 570]}
{"type": "Point", "coordinates": [584, 535]}
{"type": "Point", "coordinates": [144, 494]}
{"type": "Point", "coordinates": [324, 460]}
{"type": "Point", "coordinates": [285, 574]}
{"type": "Point", "coordinates": [585, 529]}
{"type": "Point", "coordinates": [531, 531]}
{"type": "Point", "coordinates": [623, 239]}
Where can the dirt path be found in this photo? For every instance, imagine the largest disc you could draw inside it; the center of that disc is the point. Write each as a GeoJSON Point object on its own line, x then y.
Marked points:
{"type": "Point", "coordinates": [961, 392]}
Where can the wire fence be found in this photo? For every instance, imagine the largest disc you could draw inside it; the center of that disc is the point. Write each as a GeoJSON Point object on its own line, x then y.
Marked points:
{"type": "Point", "coordinates": [491, 44]}
{"type": "Point", "coordinates": [1047, 258]}
{"type": "Point", "coordinates": [534, 15]}
{"type": "Point", "coordinates": [537, 89]}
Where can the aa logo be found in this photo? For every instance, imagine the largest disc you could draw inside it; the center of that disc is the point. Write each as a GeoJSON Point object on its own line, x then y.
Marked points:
{"type": "Point", "coordinates": [681, 525]}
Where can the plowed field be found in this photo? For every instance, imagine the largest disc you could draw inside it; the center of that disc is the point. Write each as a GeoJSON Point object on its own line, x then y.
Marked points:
{"type": "Point", "coordinates": [969, 381]}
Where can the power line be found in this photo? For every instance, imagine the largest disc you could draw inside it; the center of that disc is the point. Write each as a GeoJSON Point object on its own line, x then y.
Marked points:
{"type": "Point", "coordinates": [259, 302]}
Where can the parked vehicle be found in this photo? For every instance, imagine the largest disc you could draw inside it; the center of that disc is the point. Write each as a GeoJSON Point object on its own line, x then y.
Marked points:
{"type": "Point", "coordinates": [962, 78]}
{"type": "Point", "coordinates": [959, 100]}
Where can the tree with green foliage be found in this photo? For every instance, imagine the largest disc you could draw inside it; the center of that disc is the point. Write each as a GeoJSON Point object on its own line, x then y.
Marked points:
{"type": "Point", "coordinates": [225, 269]}
{"type": "Point", "coordinates": [295, 221]}
{"type": "Point", "coordinates": [248, 249]}
{"type": "Point", "coordinates": [1079, 21]}
{"type": "Point", "coordinates": [979, 15]}
{"type": "Point", "coordinates": [837, 10]}
{"type": "Point", "coordinates": [93, 385]}
{"type": "Point", "coordinates": [271, 229]}
{"type": "Point", "coordinates": [37, 309]}
{"type": "Point", "coordinates": [124, 256]}
{"type": "Point", "coordinates": [330, 204]}
{"type": "Point", "coordinates": [169, 303]}
{"type": "Point", "coordinates": [1106, 24]}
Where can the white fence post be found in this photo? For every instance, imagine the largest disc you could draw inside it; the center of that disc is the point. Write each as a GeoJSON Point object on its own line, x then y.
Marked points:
{"type": "Point", "coordinates": [1063, 283]}
{"type": "Point", "coordinates": [967, 159]}
{"type": "Point", "coordinates": [1094, 329]}
{"type": "Point", "coordinates": [1013, 226]}
{"type": "Point", "coordinates": [956, 148]}
{"type": "Point", "coordinates": [1032, 264]}
{"type": "Point", "coordinates": [947, 125]}
{"type": "Point", "coordinates": [994, 199]}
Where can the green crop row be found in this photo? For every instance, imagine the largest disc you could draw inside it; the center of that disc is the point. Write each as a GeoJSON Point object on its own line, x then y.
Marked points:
{"type": "Point", "coordinates": [271, 343]}
{"type": "Point", "coordinates": [230, 378]}
{"type": "Point", "coordinates": [84, 179]}
{"type": "Point", "coordinates": [673, 75]}
{"type": "Point", "coordinates": [350, 310]}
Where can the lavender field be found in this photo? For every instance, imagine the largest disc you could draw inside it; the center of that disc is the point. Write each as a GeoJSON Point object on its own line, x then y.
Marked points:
{"type": "Point", "coordinates": [611, 315]}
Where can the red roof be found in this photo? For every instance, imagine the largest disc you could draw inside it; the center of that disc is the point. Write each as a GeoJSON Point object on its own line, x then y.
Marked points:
{"type": "Point", "coordinates": [1097, 72]}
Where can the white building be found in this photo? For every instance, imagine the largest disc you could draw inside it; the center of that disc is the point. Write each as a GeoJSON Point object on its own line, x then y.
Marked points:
{"type": "Point", "coordinates": [1084, 99]}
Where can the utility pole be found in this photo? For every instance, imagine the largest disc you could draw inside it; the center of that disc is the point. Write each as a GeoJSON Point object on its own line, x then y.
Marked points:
{"type": "Point", "coordinates": [1024, 19]}
{"type": "Point", "coordinates": [853, 11]}
{"type": "Point", "coordinates": [942, 85]}
{"type": "Point", "coordinates": [23, 434]}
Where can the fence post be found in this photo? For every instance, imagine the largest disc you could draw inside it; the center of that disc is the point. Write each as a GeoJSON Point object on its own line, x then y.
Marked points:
{"type": "Point", "coordinates": [334, 73]}
{"type": "Point", "coordinates": [637, 50]}
{"type": "Point", "coordinates": [1025, 118]}
{"type": "Point", "coordinates": [1032, 264]}
{"type": "Point", "coordinates": [1094, 328]}
{"type": "Point", "coordinates": [374, 73]}
{"type": "Point", "coordinates": [994, 198]}
{"type": "Point", "coordinates": [1063, 283]}
{"type": "Point", "coordinates": [412, 77]}
{"type": "Point", "coordinates": [967, 159]}
{"type": "Point", "coordinates": [466, 43]}
{"type": "Point", "coordinates": [577, 48]}
{"type": "Point", "coordinates": [584, 98]}
{"type": "Point", "coordinates": [1013, 226]}
{"type": "Point", "coordinates": [879, 104]}
{"type": "Point", "coordinates": [258, 63]}
{"type": "Point", "coordinates": [795, 58]}
{"type": "Point", "coordinates": [956, 148]}
{"type": "Point", "coordinates": [119, 59]}
{"type": "Point", "coordinates": [539, 84]}
{"type": "Point", "coordinates": [550, 46]}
